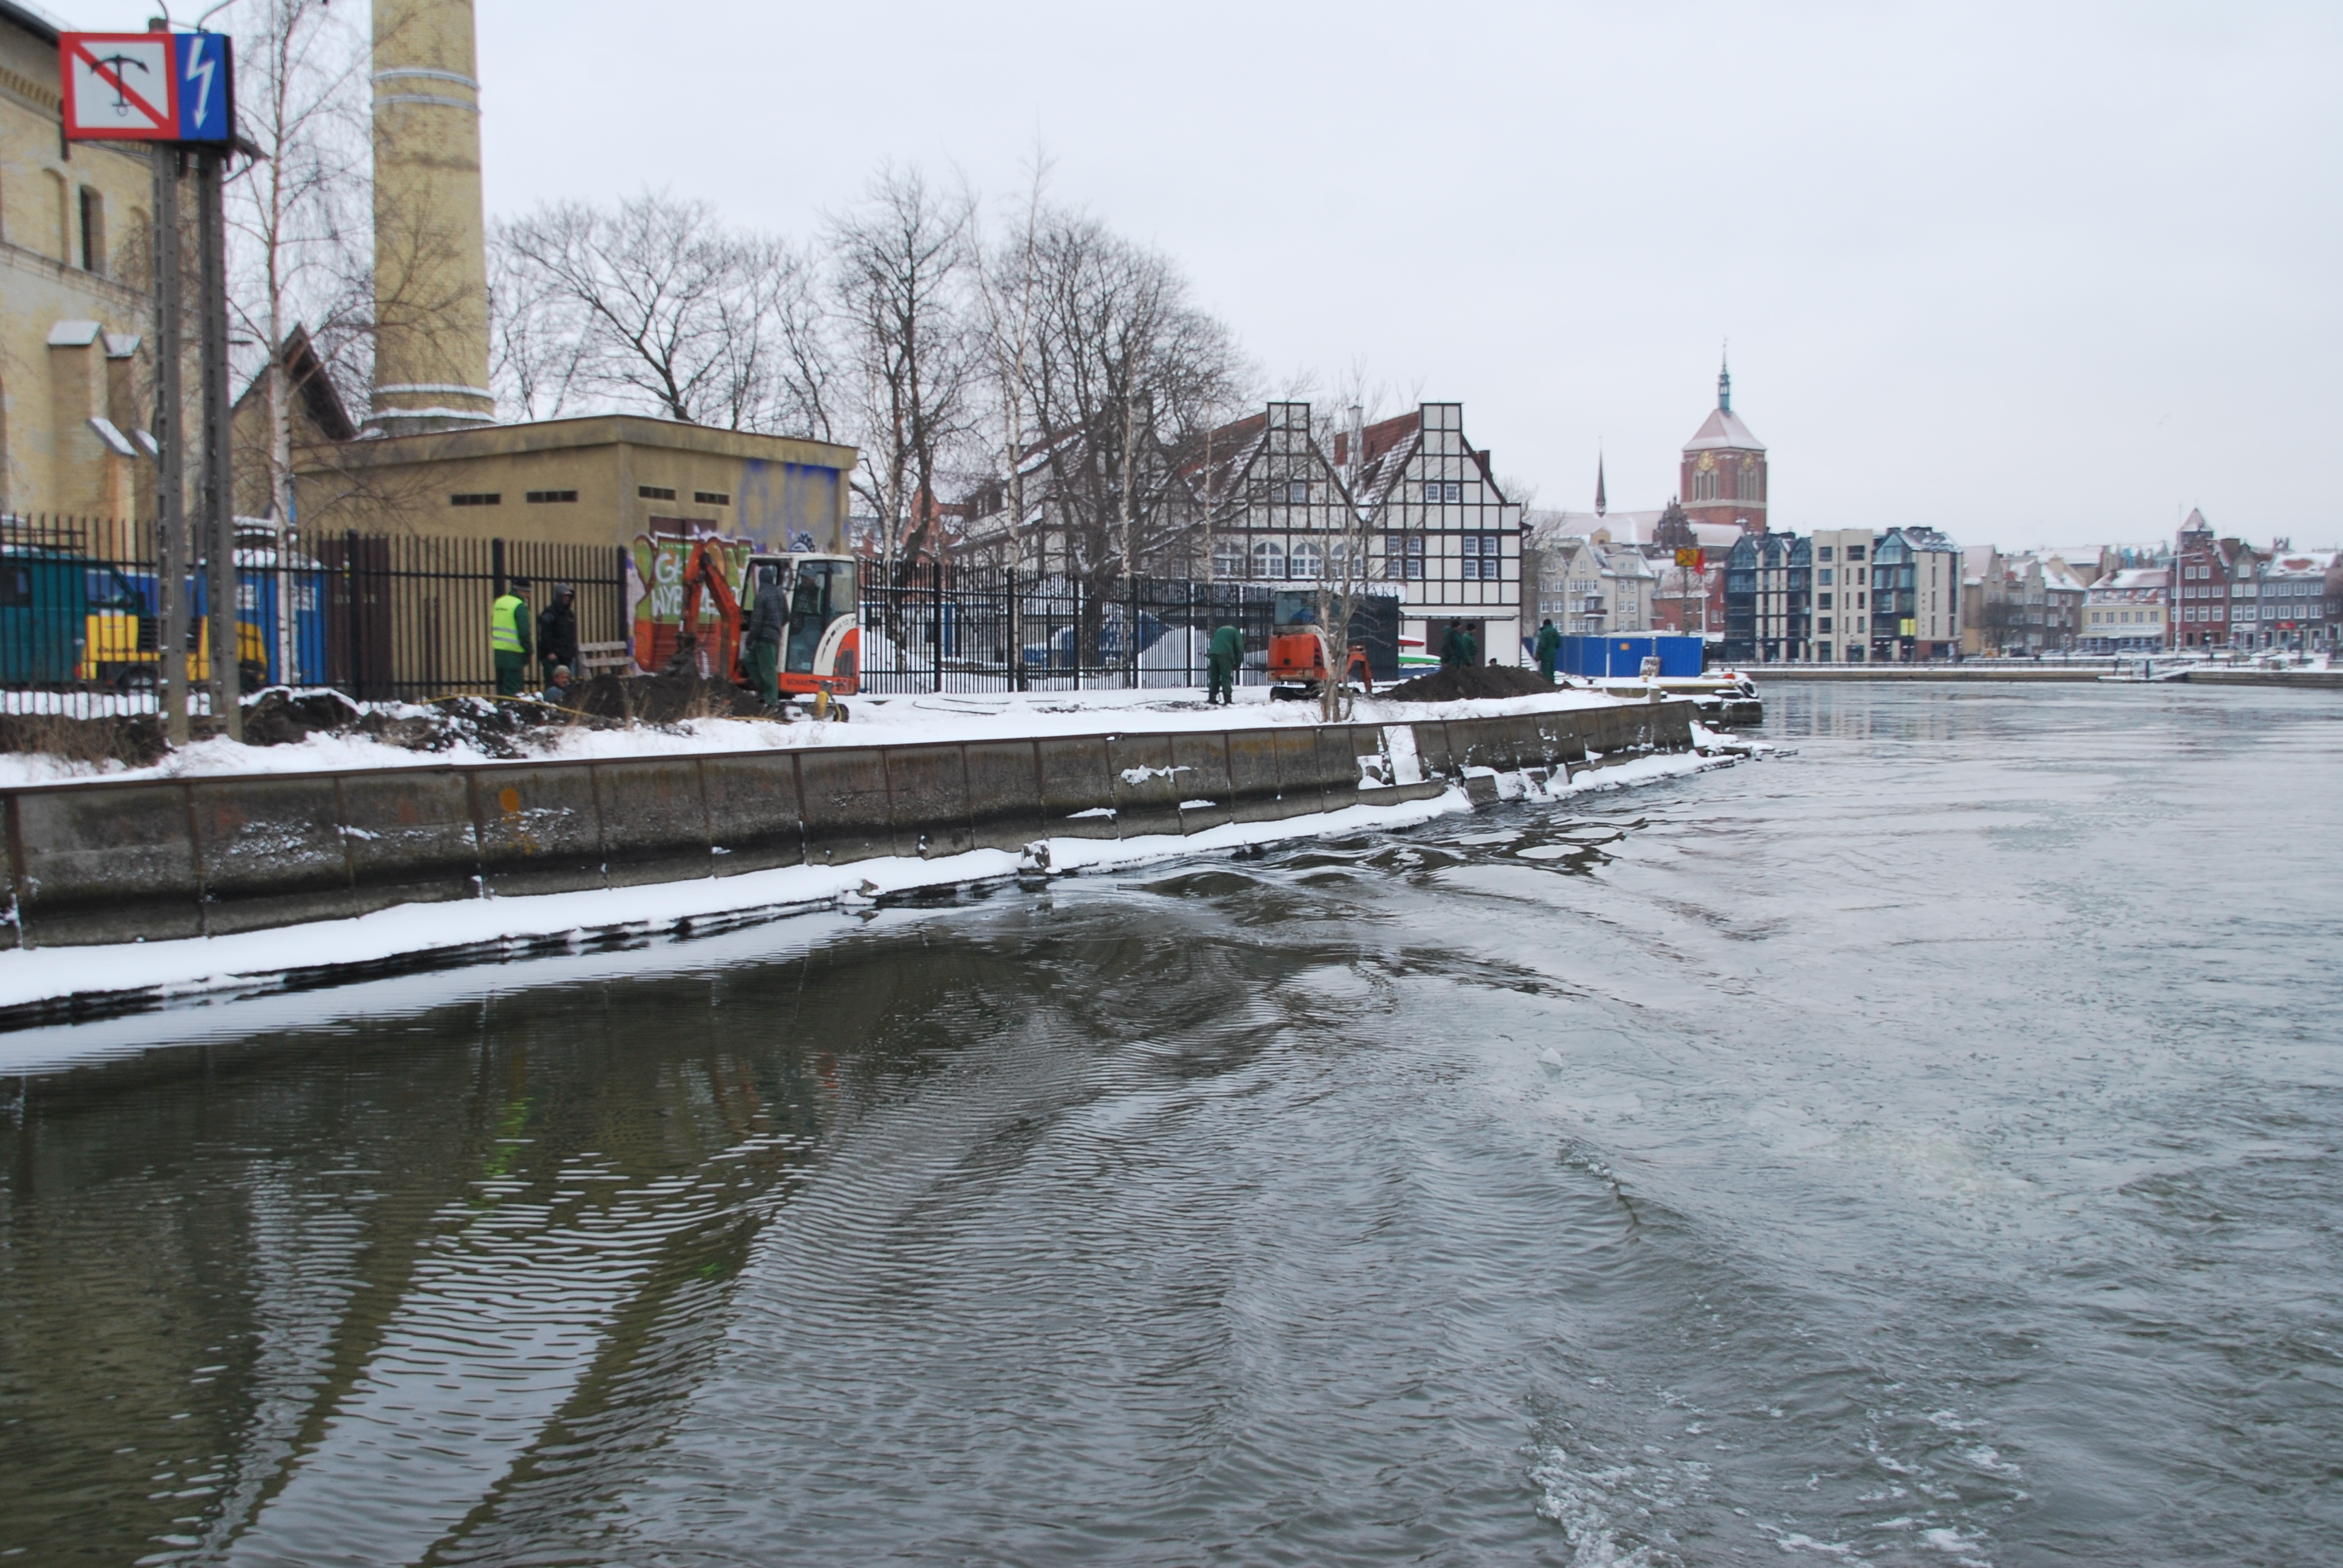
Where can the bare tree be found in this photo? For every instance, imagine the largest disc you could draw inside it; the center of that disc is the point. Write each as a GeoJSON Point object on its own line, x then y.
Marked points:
{"type": "Point", "coordinates": [1127, 378]}
{"type": "Point", "coordinates": [299, 211]}
{"type": "Point", "coordinates": [667, 308]}
{"type": "Point", "coordinates": [898, 262]}
{"type": "Point", "coordinates": [1008, 289]}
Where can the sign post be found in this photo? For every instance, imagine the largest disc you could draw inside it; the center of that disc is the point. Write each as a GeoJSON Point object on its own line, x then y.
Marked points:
{"type": "Point", "coordinates": [178, 90]}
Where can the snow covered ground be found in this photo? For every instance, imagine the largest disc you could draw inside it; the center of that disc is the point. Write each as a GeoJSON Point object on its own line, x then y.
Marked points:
{"type": "Point", "coordinates": [877, 722]}
{"type": "Point", "coordinates": [492, 928]}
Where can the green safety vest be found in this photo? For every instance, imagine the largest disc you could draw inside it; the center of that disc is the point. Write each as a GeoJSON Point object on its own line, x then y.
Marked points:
{"type": "Point", "coordinates": [505, 625]}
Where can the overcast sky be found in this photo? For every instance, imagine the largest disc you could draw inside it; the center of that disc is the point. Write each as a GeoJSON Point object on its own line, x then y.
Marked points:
{"type": "Point", "coordinates": [2029, 272]}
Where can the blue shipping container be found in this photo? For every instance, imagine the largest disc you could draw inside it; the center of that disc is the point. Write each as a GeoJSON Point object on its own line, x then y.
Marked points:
{"type": "Point", "coordinates": [1622, 657]}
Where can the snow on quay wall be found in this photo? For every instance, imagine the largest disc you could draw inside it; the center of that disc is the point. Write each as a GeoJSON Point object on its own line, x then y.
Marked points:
{"type": "Point", "coordinates": [149, 860]}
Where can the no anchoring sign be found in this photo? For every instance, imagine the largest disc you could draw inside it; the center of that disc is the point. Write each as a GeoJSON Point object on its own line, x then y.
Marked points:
{"type": "Point", "coordinates": [146, 87]}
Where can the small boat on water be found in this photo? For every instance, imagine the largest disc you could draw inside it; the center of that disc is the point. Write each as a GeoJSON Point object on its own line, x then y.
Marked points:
{"type": "Point", "coordinates": [1728, 698]}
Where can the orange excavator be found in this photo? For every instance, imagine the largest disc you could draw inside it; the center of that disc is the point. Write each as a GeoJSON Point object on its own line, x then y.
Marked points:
{"type": "Point", "coordinates": [822, 651]}
{"type": "Point", "coordinates": [1301, 656]}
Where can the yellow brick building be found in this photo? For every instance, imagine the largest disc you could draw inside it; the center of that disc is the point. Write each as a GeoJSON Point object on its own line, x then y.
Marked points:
{"type": "Point", "coordinates": [76, 313]}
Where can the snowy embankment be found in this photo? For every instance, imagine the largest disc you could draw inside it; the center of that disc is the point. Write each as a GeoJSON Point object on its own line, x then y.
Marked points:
{"type": "Point", "coordinates": [493, 930]}
{"type": "Point", "coordinates": [878, 721]}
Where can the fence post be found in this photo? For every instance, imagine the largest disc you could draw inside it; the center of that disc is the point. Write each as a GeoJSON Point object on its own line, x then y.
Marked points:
{"type": "Point", "coordinates": [1131, 639]}
{"type": "Point", "coordinates": [1188, 654]}
{"type": "Point", "coordinates": [936, 572]}
{"type": "Point", "coordinates": [497, 566]}
{"type": "Point", "coordinates": [1016, 619]}
{"type": "Point", "coordinates": [350, 614]}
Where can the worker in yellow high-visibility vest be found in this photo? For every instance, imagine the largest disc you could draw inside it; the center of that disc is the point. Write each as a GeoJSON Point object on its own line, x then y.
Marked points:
{"type": "Point", "coordinates": [509, 627]}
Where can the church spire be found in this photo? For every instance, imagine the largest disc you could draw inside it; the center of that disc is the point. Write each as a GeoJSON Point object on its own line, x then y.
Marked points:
{"type": "Point", "coordinates": [1724, 379]}
{"type": "Point", "coordinates": [1601, 504]}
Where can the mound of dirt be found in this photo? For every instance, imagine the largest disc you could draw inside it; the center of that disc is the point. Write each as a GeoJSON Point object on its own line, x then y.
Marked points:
{"type": "Point", "coordinates": [283, 717]}
{"type": "Point", "coordinates": [1462, 685]}
{"type": "Point", "coordinates": [667, 698]}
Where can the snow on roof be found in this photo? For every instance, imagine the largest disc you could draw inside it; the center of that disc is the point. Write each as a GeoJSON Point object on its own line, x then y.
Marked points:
{"type": "Point", "coordinates": [1624, 528]}
{"type": "Point", "coordinates": [1723, 430]}
{"type": "Point", "coordinates": [2303, 563]}
{"type": "Point", "coordinates": [2134, 579]}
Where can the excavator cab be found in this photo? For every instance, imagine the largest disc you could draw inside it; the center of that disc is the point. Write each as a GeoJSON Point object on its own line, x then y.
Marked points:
{"type": "Point", "coordinates": [822, 650]}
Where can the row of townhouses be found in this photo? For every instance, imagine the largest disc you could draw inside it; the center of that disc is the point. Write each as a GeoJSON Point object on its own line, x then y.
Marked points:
{"type": "Point", "coordinates": [1274, 499]}
{"type": "Point", "coordinates": [2203, 592]}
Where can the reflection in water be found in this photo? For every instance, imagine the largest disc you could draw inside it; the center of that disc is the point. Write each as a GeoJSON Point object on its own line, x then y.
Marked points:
{"type": "Point", "coordinates": [1893, 1152]}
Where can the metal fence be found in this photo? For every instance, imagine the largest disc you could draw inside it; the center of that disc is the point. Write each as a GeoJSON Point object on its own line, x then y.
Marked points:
{"type": "Point", "coordinates": [406, 616]}
{"type": "Point", "coordinates": [941, 627]}
{"type": "Point", "coordinates": [380, 617]}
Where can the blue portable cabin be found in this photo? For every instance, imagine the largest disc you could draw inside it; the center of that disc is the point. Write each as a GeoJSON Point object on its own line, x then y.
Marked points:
{"type": "Point", "coordinates": [44, 615]}
{"type": "Point", "coordinates": [1622, 657]}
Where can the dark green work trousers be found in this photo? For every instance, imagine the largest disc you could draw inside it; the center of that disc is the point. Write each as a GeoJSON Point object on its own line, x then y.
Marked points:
{"type": "Point", "coordinates": [1221, 676]}
{"type": "Point", "coordinates": [512, 673]}
{"type": "Point", "coordinates": [765, 671]}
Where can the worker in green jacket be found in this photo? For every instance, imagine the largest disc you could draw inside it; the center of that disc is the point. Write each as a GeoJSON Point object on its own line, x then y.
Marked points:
{"type": "Point", "coordinates": [1456, 648]}
{"type": "Point", "coordinates": [1222, 663]}
{"type": "Point", "coordinates": [509, 630]}
{"type": "Point", "coordinates": [1549, 648]}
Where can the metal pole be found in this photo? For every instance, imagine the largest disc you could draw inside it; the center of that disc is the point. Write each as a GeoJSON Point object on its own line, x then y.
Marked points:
{"type": "Point", "coordinates": [170, 433]}
{"type": "Point", "coordinates": [936, 568]}
{"type": "Point", "coordinates": [1016, 636]}
{"type": "Point", "coordinates": [219, 480]}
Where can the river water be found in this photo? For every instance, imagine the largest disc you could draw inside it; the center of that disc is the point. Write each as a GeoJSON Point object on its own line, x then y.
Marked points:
{"type": "Point", "coordinates": [1918, 1147]}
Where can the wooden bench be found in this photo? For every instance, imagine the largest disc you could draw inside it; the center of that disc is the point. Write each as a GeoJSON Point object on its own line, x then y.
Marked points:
{"type": "Point", "coordinates": [595, 657]}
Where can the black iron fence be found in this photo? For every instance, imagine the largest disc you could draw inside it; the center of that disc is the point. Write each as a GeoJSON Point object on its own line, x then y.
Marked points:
{"type": "Point", "coordinates": [408, 617]}
{"type": "Point", "coordinates": [942, 627]}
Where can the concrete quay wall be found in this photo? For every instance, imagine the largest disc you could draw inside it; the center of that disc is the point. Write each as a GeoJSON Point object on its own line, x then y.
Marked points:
{"type": "Point", "coordinates": [159, 860]}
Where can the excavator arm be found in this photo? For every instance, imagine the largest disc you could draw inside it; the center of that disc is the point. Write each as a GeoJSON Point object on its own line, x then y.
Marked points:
{"type": "Point", "coordinates": [703, 572]}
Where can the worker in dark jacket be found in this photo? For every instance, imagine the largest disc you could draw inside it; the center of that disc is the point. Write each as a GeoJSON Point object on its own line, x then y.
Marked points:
{"type": "Point", "coordinates": [1549, 648]}
{"type": "Point", "coordinates": [557, 629]}
{"type": "Point", "coordinates": [508, 621]}
{"type": "Point", "coordinates": [1222, 663]}
{"type": "Point", "coordinates": [769, 622]}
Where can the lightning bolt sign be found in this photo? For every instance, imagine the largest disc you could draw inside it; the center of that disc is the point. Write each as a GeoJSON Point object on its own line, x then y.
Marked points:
{"type": "Point", "coordinates": [200, 67]}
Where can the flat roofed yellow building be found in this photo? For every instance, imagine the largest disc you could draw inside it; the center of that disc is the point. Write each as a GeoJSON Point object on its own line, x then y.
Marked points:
{"type": "Point", "coordinates": [603, 479]}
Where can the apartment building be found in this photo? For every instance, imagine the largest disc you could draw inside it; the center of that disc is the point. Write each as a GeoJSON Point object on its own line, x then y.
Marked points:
{"type": "Point", "coordinates": [2128, 611]}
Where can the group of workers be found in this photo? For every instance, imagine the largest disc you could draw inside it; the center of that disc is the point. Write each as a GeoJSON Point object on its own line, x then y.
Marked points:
{"type": "Point", "coordinates": [549, 639]}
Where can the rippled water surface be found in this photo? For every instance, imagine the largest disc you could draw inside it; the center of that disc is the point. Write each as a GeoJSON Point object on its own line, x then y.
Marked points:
{"type": "Point", "coordinates": [1917, 1148]}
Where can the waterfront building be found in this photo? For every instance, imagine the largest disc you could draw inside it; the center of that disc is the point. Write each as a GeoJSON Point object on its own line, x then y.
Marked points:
{"type": "Point", "coordinates": [2291, 609]}
{"type": "Point", "coordinates": [1841, 594]}
{"type": "Point", "coordinates": [1768, 599]}
{"type": "Point", "coordinates": [1915, 595]}
{"type": "Point", "coordinates": [1590, 585]}
{"type": "Point", "coordinates": [1722, 480]}
{"type": "Point", "coordinates": [2127, 611]}
{"type": "Point", "coordinates": [2214, 579]}
{"type": "Point", "coordinates": [1441, 530]}
{"type": "Point", "coordinates": [2017, 605]}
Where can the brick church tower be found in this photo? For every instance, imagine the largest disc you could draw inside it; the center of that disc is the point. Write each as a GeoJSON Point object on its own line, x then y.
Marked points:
{"type": "Point", "coordinates": [1724, 476]}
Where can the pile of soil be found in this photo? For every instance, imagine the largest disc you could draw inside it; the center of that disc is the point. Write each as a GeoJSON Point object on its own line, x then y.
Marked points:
{"type": "Point", "coordinates": [133, 739]}
{"type": "Point", "coordinates": [1462, 685]}
{"type": "Point", "coordinates": [667, 698]}
{"type": "Point", "coordinates": [283, 717]}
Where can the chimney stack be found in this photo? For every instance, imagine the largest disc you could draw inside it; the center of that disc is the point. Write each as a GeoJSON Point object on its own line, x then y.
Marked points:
{"type": "Point", "coordinates": [430, 246]}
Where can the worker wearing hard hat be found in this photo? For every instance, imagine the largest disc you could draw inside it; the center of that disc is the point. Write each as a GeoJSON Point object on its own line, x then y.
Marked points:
{"type": "Point", "coordinates": [1221, 663]}
{"type": "Point", "coordinates": [769, 622]}
{"type": "Point", "coordinates": [508, 638]}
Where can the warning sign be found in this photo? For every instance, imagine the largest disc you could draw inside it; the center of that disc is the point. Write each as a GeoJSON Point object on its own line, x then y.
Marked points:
{"type": "Point", "coordinates": [147, 86]}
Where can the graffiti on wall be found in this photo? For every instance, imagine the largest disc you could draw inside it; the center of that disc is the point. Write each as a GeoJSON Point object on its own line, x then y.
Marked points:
{"type": "Point", "coordinates": [655, 587]}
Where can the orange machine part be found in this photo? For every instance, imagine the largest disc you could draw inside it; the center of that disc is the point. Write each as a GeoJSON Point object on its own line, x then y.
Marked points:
{"type": "Point", "coordinates": [704, 572]}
